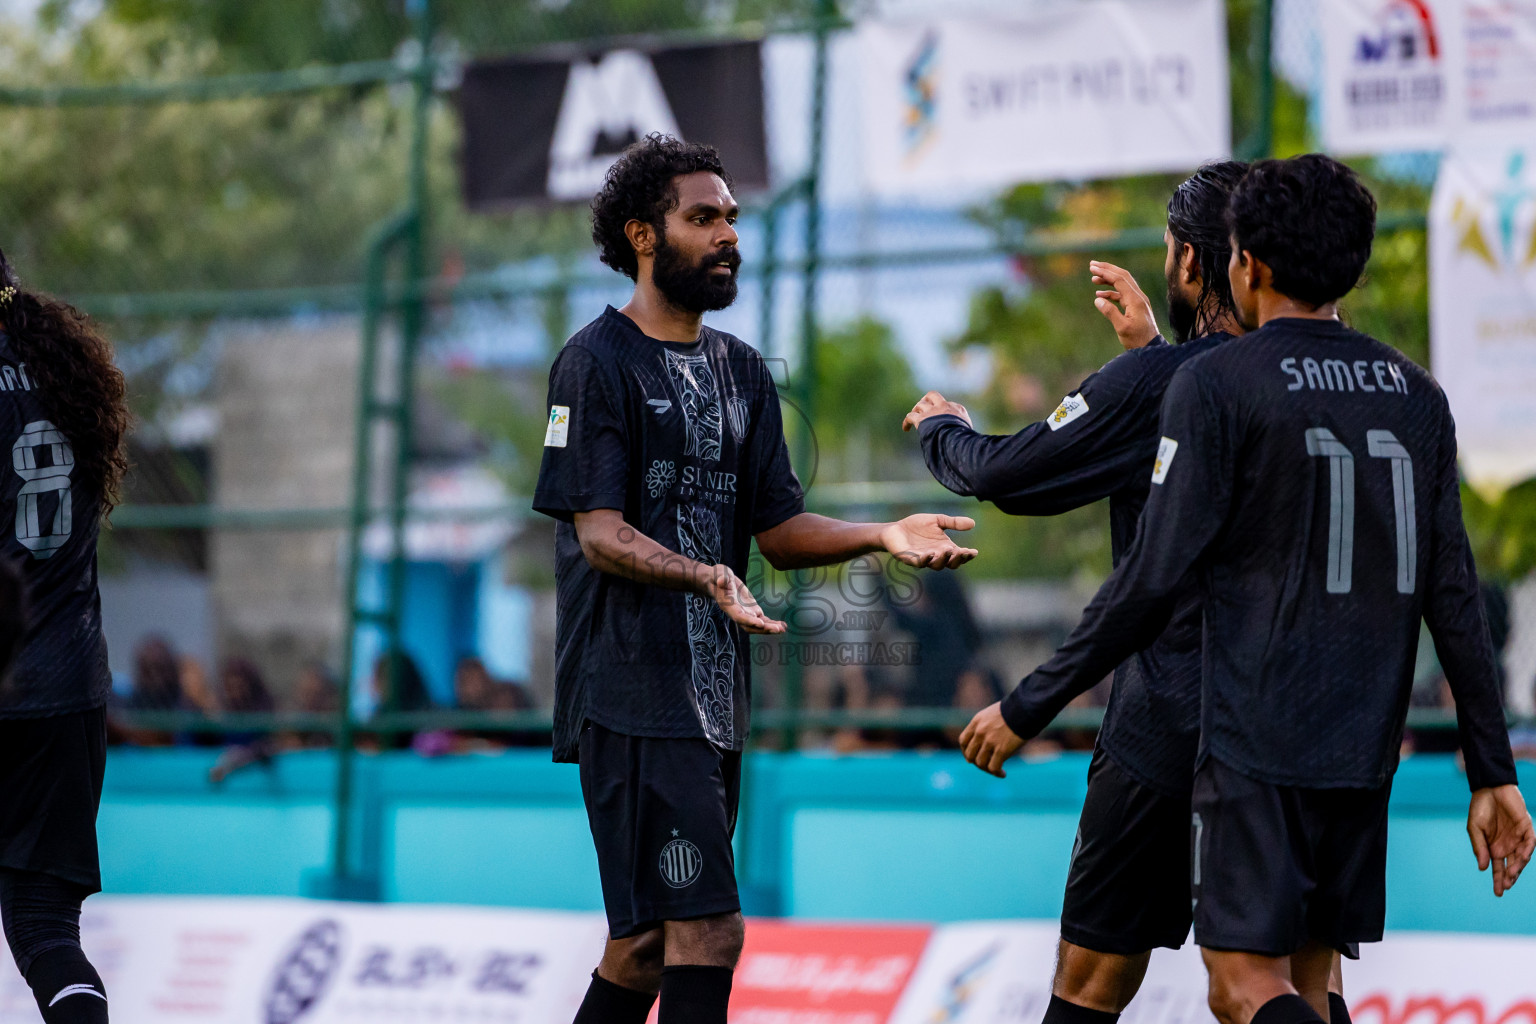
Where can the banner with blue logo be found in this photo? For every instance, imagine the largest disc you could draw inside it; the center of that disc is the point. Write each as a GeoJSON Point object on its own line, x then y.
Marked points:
{"type": "Point", "coordinates": [1093, 89]}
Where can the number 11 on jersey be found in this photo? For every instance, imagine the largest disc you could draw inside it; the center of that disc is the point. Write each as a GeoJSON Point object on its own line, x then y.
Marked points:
{"type": "Point", "coordinates": [1380, 444]}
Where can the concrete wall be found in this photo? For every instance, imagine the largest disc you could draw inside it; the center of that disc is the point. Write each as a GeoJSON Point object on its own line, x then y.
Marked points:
{"type": "Point", "coordinates": [286, 394]}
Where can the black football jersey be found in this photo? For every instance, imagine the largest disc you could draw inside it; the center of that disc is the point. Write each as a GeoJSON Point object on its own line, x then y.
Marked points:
{"type": "Point", "coordinates": [1307, 476]}
{"type": "Point", "coordinates": [49, 521]}
{"type": "Point", "coordinates": [1099, 443]}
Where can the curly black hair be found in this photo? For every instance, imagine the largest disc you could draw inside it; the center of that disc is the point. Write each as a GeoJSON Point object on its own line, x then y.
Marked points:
{"type": "Point", "coordinates": [1310, 219]}
{"type": "Point", "coordinates": [1197, 216]}
{"type": "Point", "coordinates": [83, 391]}
{"type": "Point", "coordinates": [642, 185]}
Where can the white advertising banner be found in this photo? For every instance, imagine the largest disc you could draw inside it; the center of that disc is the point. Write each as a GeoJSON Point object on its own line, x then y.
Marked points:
{"type": "Point", "coordinates": [1092, 89]}
{"type": "Point", "coordinates": [1423, 74]}
{"type": "Point", "coordinates": [1000, 973]}
{"type": "Point", "coordinates": [1482, 292]}
{"type": "Point", "coordinates": [289, 961]}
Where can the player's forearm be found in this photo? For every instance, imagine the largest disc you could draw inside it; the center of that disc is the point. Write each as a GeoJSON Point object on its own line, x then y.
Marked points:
{"type": "Point", "coordinates": [1467, 657]}
{"type": "Point", "coordinates": [1116, 625]}
{"type": "Point", "coordinates": [613, 546]}
{"type": "Point", "coordinates": [808, 540]}
{"type": "Point", "coordinates": [1019, 472]}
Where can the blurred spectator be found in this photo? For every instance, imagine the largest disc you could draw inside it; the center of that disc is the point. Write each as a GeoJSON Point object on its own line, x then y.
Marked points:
{"type": "Point", "coordinates": [244, 692]}
{"type": "Point", "coordinates": [196, 695]}
{"type": "Point", "coordinates": [315, 693]}
{"type": "Point", "coordinates": [475, 689]}
{"type": "Point", "coordinates": [409, 693]}
{"type": "Point", "coordinates": [156, 677]}
{"type": "Point", "coordinates": [156, 687]}
{"type": "Point", "coordinates": [940, 621]}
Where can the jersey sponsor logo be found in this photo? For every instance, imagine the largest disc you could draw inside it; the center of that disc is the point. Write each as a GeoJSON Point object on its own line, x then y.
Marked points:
{"type": "Point", "coordinates": [1167, 448]}
{"type": "Point", "coordinates": [1070, 409]}
{"type": "Point", "coordinates": [680, 863]}
{"type": "Point", "coordinates": [558, 431]}
{"type": "Point", "coordinates": [661, 405]}
{"type": "Point", "coordinates": [660, 476]}
{"type": "Point", "coordinates": [76, 990]}
{"type": "Point", "coordinates": [737, 415]}
{"type": "Point", "coordinates": [1338, 375]}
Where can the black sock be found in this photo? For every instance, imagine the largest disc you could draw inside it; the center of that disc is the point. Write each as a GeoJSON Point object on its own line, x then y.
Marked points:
{"type": "Point", "coordinates": [1287, 1010]}
{"type": "Point", "coordinates": [694, 995]}
{"type": "Point", "coordinates": [1338, 1009]}
{"type": "Point", "coordinates": [1060, 1011]}
{"type": "Point", "coordinates": [67, 988]}
{"type": "Point", "coordinates": [607, 1003]}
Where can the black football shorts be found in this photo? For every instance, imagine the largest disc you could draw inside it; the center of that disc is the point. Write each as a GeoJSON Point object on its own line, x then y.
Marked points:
{"type": "Point", "coordinates": [1128, 887]}
{"type": "Point", "coordinates": [51, 772]}
{"type": "Point", "coordinates": [662, 813]}
{"type": "Point", "coordinates": [1278, 866]}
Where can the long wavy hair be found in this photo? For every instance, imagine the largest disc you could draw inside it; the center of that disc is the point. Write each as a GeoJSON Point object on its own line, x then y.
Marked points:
{"type": "Point", "coordinates": [69, 362]}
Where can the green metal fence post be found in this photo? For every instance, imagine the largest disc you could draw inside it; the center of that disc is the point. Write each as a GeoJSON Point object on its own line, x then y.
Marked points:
{"type": "Point", "coordinates": [826, 12]}
{"type": "Point", "coordinates": [407, 229]}
{"type": "Point", "coordinates": [1261, 143]}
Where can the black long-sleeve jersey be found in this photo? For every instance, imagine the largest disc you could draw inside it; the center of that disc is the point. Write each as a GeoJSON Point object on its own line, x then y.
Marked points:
{"type": "Point", "coordinates": [1307, 477]}
{"type": "Point", "coordinates": [50, 519]}
{"type": "Point", "coordinates": [1100, 443]}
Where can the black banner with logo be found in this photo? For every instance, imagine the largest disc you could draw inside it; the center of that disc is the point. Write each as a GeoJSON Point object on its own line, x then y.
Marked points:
{"type": "Point", "coordinates": [548, 129]}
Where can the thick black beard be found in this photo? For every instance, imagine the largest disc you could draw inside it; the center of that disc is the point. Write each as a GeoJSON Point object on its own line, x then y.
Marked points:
{"type": "Point", "coordinates": [1182, 315]}
{"type": "Point", "coordinates": [694, 286]}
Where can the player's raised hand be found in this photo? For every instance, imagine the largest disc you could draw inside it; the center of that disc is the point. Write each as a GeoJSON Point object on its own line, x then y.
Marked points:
{"type": "Point", "coordinates": [1502, 835]}
{"type": "Point", "coordinates": [727, 590]}
{"type": "Point", "coordinates": [920, 541]}
{"type": "Point", "coordinates": [1134, 322]}
{"type": "Point", "coordinates": [933, 404]}
{"type": "Point", "coordinates": [987, 741]}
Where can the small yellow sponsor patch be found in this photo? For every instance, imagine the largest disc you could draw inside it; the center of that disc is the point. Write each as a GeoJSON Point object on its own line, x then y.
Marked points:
{"type": "Point", "coordinates": [1166, 450]}
{"type": "Point", "coordinates": [559, 426]}
{"type": "Point", "coordinates": [1070, 409]}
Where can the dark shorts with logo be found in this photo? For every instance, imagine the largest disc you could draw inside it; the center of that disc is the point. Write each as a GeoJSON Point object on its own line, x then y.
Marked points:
{"type": "Point", "coordinates": [662, 813]}
{"type": "Point", "coordinates": [1128, 887]}
{"type": "Point", "coordinates": [51, 773]}
{"type": "Point", "coordinates": [1278, 866]}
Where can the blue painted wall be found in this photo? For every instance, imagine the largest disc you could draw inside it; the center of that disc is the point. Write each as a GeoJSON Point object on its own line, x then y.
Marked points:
{"type": "Point", "coordinates": [894, 837]}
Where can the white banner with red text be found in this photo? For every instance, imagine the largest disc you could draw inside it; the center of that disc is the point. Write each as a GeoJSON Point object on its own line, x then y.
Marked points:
{"type": "Point", "coordinates": [1422, 74]}
{"type": "Point", "coordinates": [289, 961]}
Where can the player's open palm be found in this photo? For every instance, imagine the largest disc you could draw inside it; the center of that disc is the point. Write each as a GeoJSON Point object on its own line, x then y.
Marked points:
{"type": "Point", "coordinates": [727, 590]}
{"type": "Point", "coordinates": [1124, 305]}
{"type": "Point", "coordinates": [920, 541]}
{"type": "Point", "coordinates": [1502, 834]}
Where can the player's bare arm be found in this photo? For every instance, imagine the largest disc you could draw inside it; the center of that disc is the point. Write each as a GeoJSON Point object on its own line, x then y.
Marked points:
{"type": "Point", "coordinates": [1501, 832]}
{"type": "Point", "coordinates": [1124, 305]}
{"type": "Point", "coordinates": [613, 546]}
{"type": "Point", "coordinates": [807, 540]}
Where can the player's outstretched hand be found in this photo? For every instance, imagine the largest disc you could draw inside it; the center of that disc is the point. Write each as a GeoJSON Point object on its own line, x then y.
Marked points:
{"type": "Point", "coordinates": [933, 404]}
{"type": "Point", "coordinates": [987, 742]}
{"type": "Point", "coordinates": [920, 541]}
{"type": "Point", "coordinates": [1502, 835]}
{"type": "Point", "coordinates": [727, 590]}
{"type": "Point", "coordinates": [1135, 324]}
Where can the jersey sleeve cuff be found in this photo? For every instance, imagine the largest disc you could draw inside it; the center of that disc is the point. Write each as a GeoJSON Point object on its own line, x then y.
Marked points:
{"type": "Point", "coordinates": [562, 506]}
{"type": "Point", "coordinates": [933, 423]}
{"type": "Point", "coordinates": [1025, 720]}
{"type": "Point", "coordinates": [1484, 774]}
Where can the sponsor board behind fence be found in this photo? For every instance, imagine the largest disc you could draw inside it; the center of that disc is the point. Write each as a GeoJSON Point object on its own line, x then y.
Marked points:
{"type": "Point", "coordinates": [1092, 89]}
{"type": "Point", "coordinates": [284, 961]}
{"type": "Point", "coordinates": [1482, 266]}
{"type": "Point", "coordinates": [1421, 74]}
